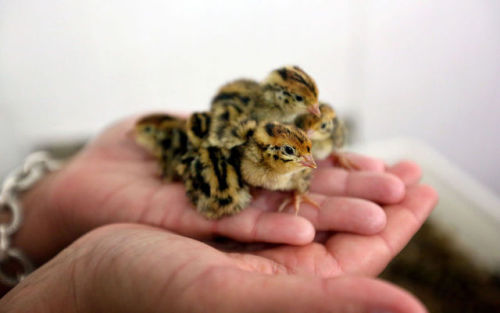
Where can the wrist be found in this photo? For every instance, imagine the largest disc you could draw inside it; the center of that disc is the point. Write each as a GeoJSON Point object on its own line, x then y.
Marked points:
{"type": "Point", "coordinates": [52, 287]}
{"type": "Point", "coordinates": [39, 236]}
{"type": "Point", "coordinates": [27, 178]}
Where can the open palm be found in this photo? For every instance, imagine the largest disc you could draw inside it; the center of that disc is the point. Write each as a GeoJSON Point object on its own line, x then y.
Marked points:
{"type": "Point", "coordinates": [136, 268]}
{"type": "Point", "coordinates": [113, 180]}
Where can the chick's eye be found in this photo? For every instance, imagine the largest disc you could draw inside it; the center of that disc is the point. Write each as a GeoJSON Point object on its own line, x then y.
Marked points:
{"type": "Point", "coordinates": [288, 150]}
{"type": "Point", "coordinates": [323, 126]}
{"type": "Point", "coordinates": [299, 98]}
{"type": "Point", "coordinates": [148, 129]}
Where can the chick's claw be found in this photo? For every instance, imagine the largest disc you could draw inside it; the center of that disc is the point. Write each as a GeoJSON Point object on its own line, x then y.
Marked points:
{"type": "Point", "coordinates": [340, 160]}
{"type": "Point", "coordinates": [298, 198]}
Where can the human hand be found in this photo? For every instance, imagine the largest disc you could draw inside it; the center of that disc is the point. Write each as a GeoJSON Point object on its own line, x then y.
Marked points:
{"type": "Point", "coordinates": [136, 268]}
{"type": "Point", "coordinates": [113, 180]}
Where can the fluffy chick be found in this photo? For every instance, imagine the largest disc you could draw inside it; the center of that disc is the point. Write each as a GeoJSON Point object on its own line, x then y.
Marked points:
{"type": "Point", "coordinates": [278, 157]}
{"type": "Point", "coordinates": [165, 137]}
{"type": "Point", "coordinates": [274, 156]}
{"type": "Point", "coordinates": [198, 126]}
{"type": "Point", "coordinates": [217, 180]}
{"type": "Point", "coordinates": [213, 181]}
{"type": "Point", "coordinates": [285, 93]}
{"type": "Point", "coordinates": [211, 175]}
{"type": "Point", "coordinates": [328, 135]}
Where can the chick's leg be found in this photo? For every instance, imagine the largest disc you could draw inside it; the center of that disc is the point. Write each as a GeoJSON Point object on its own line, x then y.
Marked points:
{"type": "Point", "coordinates": [339, 159]}
{"type": "Point", "coordinates": [298, 198]}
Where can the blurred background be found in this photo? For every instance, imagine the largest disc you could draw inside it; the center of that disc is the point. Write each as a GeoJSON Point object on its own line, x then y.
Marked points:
{"type": "Point", "coordinates": [425, 69]}
{"type": "Point", "coordinates": [415, 79]}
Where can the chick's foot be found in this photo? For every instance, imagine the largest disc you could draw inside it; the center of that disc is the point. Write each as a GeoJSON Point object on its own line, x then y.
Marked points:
{"type": "Point", "coordinates": [340, 160]}
{"type": "Point", "coordinates": [297, 199]}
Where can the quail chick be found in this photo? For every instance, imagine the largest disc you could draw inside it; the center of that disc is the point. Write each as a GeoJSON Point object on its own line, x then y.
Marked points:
{"type": "Point", "coordinates": [285, 93]}
{"type": "Point", "coordinates": [278, 157]}
{"type": "Point", "coordinates": [213, 181]}
{"type": "Point", "coordinates": [327, 133]}
{"type": "Point", "coordinates": [274, 156]}
{"type": "Point", "coordinates": [217, 180]}
{"type": "Point", "coordinates": [164, 136]}
{"type": "Point", "coordinates": [212, 175]}
{"type": "Point", "coordinates": [198, 126]}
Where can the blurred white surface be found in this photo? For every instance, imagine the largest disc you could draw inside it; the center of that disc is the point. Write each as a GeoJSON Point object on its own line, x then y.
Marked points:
{"type": "Point", "coordinates": [428, 69]}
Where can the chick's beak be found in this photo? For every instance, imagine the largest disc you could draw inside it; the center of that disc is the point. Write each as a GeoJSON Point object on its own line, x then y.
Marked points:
{"type": "Point", "coordinates": [314, 110]}
{"type": "Point", "coordinates": [308, 161]}
{"type": "Point", "coordinates": [309, 133]}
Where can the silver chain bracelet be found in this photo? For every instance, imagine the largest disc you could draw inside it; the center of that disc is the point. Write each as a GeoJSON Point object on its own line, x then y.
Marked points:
{"type": "Point", "coordinates": [21, 179]}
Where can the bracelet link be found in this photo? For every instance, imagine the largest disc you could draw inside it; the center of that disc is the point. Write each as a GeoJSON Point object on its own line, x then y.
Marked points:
{"type": "Point", "coordinates": [11, 205]}
{"type": "Point", "coordinates": [35, 167]}
{"type": "Point", "coordinates": [4, 243]}
{"type": "Point", "coordinates": [15, 258]}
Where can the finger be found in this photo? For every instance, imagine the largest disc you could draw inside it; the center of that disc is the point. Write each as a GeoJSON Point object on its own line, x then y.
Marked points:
{"type": "Point", "coordinates": [243, 292]}
{"type": "Point", "coordinates": [261, 222]}
{"type": "Point", "coordinates": [272, 227]}
{"type": "Point", "coordinates": [378, 187]}
{"type": "Point", "coordinates": [172, 210]}
{"type": "Point", "coordinates": [364, 163]}
{"type": "Point", "coordinates": [333, 214]}
{"type": "Point", "coordinates": [369, 255]}
{"type": "Point", "coordinates": [345, 214]}
{"type": "Point", "coordinates": [409, 172]}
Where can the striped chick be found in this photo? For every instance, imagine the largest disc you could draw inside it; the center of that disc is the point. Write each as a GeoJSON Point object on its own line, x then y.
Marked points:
{"type": "Point", "coordinates": [328, 135]}
{"type": "Point", "coordinates": [164, 136]}
{"type": "Point", "coordinates": [285, 93]}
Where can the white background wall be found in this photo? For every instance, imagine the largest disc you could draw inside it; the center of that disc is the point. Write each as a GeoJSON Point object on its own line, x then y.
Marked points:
{"type": "Point", "coordinates": [428, 69]}
{"type": "Point", "coordinates": [432, 71]}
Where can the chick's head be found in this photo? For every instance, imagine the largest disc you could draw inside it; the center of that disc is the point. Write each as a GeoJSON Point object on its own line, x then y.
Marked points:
{"type": "Point", "coordinates": [292, 89]}
{"type": "Point", "coordinates": [146, 131]}
{"type": "Point", "coordinates": [319, 128]}
{"type": "Point", "coordinates": [151, 129]}
{"type": "Point", "coordinates": [285, 148]}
